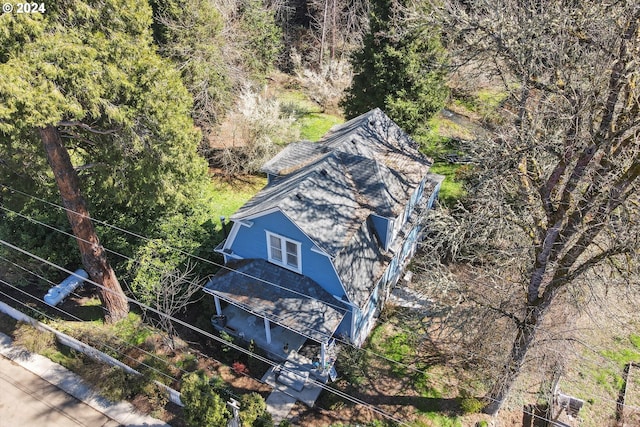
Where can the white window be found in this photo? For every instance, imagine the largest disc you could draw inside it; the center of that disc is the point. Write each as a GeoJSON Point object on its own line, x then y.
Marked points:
{"type": "Point", "coordinates": [284, 252]}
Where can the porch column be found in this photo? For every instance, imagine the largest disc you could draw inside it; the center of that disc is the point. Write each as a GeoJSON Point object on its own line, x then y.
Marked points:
{"type": "Point", "coordinates": [216, 300]}
{"type": "Point", "coordinates": [267, 330]}
{"type": "Point", "coordinates": [323, 355]}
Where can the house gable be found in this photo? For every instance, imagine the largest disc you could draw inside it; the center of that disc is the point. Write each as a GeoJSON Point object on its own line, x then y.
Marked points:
{"type": "Point", "coordinates": [253, 242]}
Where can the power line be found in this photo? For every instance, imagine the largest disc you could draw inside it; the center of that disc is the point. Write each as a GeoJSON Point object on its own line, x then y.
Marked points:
{"type": "Point", "coordinates": [188, 254]}
{"type": "Point", "coordinates": [409, 367]}
{"type": "Point", "coordinates": [81, 320]}
{"type": "Point", "coordinates": [337, 339]}
{"type": "Point", "coordinates": [118, 351]}
{"type": "Point", "coordinates": [337, 392]}
{"type": "Point", "coordinates": [207, 261]}
{"type": "Point", "coordinates": [78, 319]}
{"type": "Point", "coordinates": [308, 336]}
{"type": "Point", "coordinates": [44, 279]}
{"type": "Point", "coordinates": [181, 251]}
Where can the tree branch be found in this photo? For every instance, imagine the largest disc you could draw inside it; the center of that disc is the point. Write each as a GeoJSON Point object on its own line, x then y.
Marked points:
{"type": "Point", "coordinates": [87, 127]}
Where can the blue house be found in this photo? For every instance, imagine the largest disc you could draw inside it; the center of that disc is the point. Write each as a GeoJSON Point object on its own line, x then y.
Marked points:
{"type": "Point", "coordinates": [316, 253]}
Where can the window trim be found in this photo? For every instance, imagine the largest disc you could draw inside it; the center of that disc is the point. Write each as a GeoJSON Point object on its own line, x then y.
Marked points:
{"type": "Point", "coordinates": [283, 250]}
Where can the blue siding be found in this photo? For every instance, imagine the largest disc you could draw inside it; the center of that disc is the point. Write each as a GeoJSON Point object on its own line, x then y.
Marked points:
{"type": "Point", "coordinates": [381, 225]}
{"type": "Point", "coordinates": [391, 275]}
{"type": "Point", "coordinates": [251, 242]}
{"type": "Point", "coordinates": [409, 245]}
{"type": "Point", "coordinates": [433, 197]}
{"type": "Point", "coordinates": [344, 330]}
{"type": "Point", "coordinates": [364, 322]}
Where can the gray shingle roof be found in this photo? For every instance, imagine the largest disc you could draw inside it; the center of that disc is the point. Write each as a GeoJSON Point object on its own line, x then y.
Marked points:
{"type": "Point", "coordinates": [330, 188]}
{"type": "Point", "coordinates": [297, 302]}
{"type": "Point", "coordinates": [372, 135]}
{"type": "Point", "coordinates": [319, 199]}
{"type": "Point", "coordinates": [293, 155]}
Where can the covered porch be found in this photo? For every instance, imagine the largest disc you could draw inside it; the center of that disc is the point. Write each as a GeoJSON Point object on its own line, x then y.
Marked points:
{"type": "Point", "coordinates": [278, 310]}
{"type": "Point", "coordinates": [249, 327]}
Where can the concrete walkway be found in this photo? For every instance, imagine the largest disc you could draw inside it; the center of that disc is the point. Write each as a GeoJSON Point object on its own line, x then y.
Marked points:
{"type": "Point", "coordinates": [122, 413]}
{"type": "Point", "coordinates": [279, 405]}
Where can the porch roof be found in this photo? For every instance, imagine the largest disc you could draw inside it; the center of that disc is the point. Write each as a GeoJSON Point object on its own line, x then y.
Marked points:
{"type": "Point", "coordinates": [282, 296]}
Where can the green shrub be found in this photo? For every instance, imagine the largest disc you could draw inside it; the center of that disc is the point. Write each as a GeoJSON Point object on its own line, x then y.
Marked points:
{"type": "Point", "coordinates": [155, 367]}
{"type": "Point", "coordinates": [203, 406]}
{"type": "Point", "coordinates": [438, 420]}
{"type": "Point", "coordinates": [188, 363]}
{"type": "Point", "coordinates": [353, 364]}
{"type": "Point", "coordinates": [470, 404]}
{"type": "Point", "coordinates": [157, 396]}
{"type": "Point", "coordinates": [253, 411]}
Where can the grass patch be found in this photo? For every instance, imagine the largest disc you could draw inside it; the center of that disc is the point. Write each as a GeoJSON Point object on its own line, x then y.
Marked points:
{"type": "Point", "coordinates": [395, 347]}
{"type": "Point", "coordinates": [490, 98]}
{"type": "Point", "coordinates": [312, 121]}
{"type": "Point", "coordinates": [434, 142]}
{"type": "Point", "coordinates": [438, 420]}
{"type": "Point", "coordinates": [424, 384]}
{"type": "Point", "coordinates": [599, 378]}
{"type": "Point", "coordinates": [229, 196]}
{"type": "Point", "coordinates": [297, 103]}
{"type": "Point", "coordinates": [452, 188]}
{"type": "Point", "coordinates": [630, 351]}
{"type": "Point", "coordinates": [484, 103]}
{"type": "Point", "coordinates": [437, 143]}
{"type": "Point", "coordinates": [62, 355]}
{"type": "Point", "coordinates": [33, 339]}
{"type": "Point", "coordinates": [610, 377]}
{"type": "Point", "coordinates": [313, 126]}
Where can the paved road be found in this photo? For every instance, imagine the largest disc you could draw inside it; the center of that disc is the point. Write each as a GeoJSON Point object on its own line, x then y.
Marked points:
{"type": "Point", "coordinates": [26, 400]}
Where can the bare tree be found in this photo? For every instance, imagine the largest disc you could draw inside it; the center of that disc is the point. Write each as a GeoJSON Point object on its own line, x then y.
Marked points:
{"type": "Point", "coordinates": [556, 187]}
{"type": "Point", "coordinates": [337, 27]}
{"type": "Point", "coordinates": [258, 129]}
{"type": "Point", "coordinates": [169, 296]}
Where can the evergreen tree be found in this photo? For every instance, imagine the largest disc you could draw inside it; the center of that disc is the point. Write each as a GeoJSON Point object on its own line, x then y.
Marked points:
{"type": "Point", "coordinates": [84, 81]}
{"type": "Point", "coordinates": [399, 68]}
{"type": "Point", "coordinates": [189, 33]}
{"type": "Point", "coordinates": [259, 38]}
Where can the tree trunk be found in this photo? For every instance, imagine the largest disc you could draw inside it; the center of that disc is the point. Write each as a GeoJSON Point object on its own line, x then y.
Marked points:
{"type": "Point", "coordinates": [94, 258]}
{"type": "Point", "coordinates": [511, 370]}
